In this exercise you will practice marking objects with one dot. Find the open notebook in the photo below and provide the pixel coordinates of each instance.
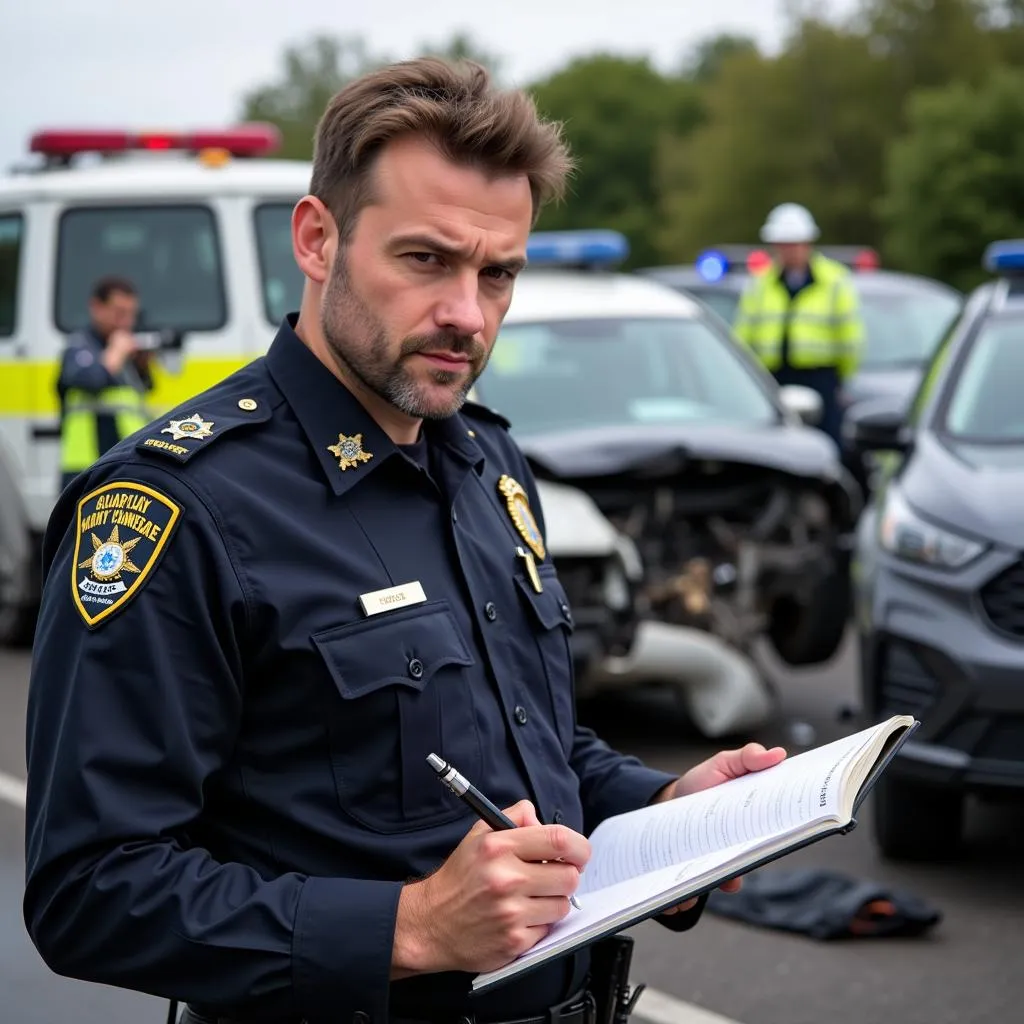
(645, 861)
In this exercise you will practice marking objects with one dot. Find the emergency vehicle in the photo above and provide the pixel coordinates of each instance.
(199, 221)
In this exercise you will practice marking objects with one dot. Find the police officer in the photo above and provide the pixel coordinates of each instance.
(800, 316)
(262, 614)
(103, 379)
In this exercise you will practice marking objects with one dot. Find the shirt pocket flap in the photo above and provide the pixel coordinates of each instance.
(551, 605)
(400, 648)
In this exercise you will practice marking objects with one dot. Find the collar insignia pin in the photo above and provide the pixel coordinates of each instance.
(349, 451)
(195, 428)
(518, 506)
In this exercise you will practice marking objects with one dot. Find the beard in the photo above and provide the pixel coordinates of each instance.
(363, 351)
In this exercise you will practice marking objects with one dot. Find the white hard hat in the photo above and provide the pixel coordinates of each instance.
(789, 222)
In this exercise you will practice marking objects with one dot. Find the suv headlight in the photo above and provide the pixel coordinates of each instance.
(903, 533)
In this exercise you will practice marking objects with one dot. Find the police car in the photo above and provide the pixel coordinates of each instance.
(199, 221)
(625, 391)
(940, 571)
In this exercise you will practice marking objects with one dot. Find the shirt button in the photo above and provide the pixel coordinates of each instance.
(416, 668)
(566, 613)
(455, 516)
(557, 818)
(520, 714)
(490, 611)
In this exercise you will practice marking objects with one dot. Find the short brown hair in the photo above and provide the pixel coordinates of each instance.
(456, 106)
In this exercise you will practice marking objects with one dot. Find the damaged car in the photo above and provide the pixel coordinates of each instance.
(739, 511)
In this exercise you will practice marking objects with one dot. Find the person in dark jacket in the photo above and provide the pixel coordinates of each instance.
(104, 378)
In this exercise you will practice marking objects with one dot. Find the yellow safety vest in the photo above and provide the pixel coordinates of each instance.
(79, 441)
(822, 322)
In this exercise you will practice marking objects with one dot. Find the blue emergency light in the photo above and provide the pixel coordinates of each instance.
(597, 248)
(1005, 257)
(712, 265)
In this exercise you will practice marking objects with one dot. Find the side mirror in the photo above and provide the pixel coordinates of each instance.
(802, 402)
(877, 426)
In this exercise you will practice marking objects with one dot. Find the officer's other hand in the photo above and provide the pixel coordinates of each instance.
(497, 895)
(121, 345)
(725, 765)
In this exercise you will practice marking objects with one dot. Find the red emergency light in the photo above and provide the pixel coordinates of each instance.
(254, 139)
(758, 260)
(866, 259)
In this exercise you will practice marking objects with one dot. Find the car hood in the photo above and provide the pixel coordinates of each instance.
(900, 382)
(665, 448)
(975, 488)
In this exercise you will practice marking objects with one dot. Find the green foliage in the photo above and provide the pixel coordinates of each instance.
(897, 128)
(809, 127)
(956, 179)
(312, 73)
(616, 113)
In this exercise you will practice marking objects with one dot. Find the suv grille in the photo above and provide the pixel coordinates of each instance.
(1003, 600)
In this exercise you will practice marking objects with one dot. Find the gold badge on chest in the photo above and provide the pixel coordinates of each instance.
(518, 505)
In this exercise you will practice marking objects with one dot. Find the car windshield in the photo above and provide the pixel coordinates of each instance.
(723, 301)
(279, 273)
(573, 374)
(902, 328)
(985, 406)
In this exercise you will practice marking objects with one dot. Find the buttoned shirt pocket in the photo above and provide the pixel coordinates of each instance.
(405, 682)
(551, 618)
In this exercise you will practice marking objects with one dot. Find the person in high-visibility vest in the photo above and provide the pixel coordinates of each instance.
(800, 316)
(103, 380)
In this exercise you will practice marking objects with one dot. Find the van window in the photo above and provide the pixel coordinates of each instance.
(280, 277)
(10, 267)
(170, 253)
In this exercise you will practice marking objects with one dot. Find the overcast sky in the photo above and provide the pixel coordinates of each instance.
(188, 63)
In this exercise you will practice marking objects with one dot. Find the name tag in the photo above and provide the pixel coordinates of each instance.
(378, 601)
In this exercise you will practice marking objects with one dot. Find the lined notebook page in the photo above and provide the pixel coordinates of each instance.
(752, 808)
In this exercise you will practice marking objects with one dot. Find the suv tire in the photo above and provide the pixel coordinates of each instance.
(917, 822)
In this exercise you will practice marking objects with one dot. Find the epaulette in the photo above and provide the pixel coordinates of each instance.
(482, 412)
(192, 430)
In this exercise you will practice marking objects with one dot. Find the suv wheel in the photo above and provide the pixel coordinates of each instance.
(917, 822)
(810, 633)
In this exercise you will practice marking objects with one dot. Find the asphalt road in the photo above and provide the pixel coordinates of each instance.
(966, 971)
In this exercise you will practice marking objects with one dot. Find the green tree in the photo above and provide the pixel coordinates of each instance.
(616, 113)
(809, 126)
(462, 46)
(312, 73)
(955, 181)
(705, 60)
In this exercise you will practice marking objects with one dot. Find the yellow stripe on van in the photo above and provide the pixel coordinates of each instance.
(30, 388)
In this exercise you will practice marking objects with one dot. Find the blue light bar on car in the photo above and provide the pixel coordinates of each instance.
(1005, 257)
(576, 248)
(712, 265)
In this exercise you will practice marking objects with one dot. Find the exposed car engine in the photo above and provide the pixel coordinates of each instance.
(739, 549)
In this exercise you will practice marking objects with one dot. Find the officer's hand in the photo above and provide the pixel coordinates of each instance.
(120, 346)
(493, 898)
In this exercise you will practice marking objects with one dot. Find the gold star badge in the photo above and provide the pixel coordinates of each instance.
(349, 451)
(195, 427)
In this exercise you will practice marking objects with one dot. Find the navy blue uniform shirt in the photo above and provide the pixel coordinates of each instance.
(227, 785)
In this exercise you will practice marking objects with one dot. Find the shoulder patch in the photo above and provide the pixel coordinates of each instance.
(483, 412)
(183, 436)
(121, 530)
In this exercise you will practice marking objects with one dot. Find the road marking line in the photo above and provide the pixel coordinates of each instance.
(12, 790)
(658, 1008)
(653, 1006)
